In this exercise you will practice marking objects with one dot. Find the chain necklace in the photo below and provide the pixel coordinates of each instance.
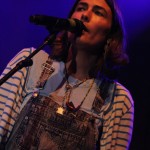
(70, 106)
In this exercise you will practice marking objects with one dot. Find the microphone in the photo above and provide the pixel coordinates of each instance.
(57, 24)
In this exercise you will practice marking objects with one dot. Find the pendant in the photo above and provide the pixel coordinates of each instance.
(70, 106)
(35, 94)
(60, 111)
(68, 87)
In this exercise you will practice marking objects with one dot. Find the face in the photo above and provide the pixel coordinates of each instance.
(97, 17)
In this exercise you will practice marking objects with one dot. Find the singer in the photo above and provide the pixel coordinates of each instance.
(70, 99)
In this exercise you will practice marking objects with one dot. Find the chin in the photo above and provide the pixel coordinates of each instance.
(83, 42)
(83, 39)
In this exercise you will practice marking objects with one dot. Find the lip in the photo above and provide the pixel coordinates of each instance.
(85, 28)
(83, 32)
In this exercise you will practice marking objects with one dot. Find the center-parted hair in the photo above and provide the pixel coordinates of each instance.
(114, 50)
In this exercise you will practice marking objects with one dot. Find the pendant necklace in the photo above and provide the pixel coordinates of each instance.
(69, 105)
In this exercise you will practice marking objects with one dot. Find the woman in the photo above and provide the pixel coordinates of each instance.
(71, 104)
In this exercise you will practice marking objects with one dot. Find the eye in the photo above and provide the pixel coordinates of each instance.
(99, 13)
(80, 9)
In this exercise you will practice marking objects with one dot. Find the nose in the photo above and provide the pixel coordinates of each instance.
(86, 16)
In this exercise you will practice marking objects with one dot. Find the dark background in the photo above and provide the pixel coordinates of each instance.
(16, 33)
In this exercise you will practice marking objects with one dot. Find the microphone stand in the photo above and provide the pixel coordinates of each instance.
(28, 61)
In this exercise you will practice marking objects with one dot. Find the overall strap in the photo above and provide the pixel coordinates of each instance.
(107, 88)
(48, 69)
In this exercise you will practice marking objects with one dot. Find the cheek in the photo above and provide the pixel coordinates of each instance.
(76, 15)
(99, 33)
(100, 25)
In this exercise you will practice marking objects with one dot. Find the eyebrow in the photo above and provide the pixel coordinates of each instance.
(95, 7)
(101, 8)
(82, 4)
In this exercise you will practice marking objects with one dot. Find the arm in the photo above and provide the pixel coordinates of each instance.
(10, 95)
(124, 134)
(118, 123)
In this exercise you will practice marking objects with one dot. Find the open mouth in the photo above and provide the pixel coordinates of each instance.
(85, 29)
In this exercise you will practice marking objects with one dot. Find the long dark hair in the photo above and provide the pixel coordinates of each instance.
(115, 55)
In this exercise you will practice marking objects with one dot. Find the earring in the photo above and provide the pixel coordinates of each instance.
(106, 49)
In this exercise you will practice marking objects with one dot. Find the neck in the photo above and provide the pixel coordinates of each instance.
(84, 63)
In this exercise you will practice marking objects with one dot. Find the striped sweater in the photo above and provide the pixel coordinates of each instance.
(15, 92)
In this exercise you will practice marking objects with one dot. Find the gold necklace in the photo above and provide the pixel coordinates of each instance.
(68, 91)
(70, 106)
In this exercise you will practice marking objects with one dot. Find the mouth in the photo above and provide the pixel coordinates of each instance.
(85, 29)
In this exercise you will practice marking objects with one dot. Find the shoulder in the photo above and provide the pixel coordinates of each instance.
(39, 64)
(25, 53)
(22, 54)
(26, 72)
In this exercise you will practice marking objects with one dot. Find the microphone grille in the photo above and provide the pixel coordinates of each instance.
(77, 25)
